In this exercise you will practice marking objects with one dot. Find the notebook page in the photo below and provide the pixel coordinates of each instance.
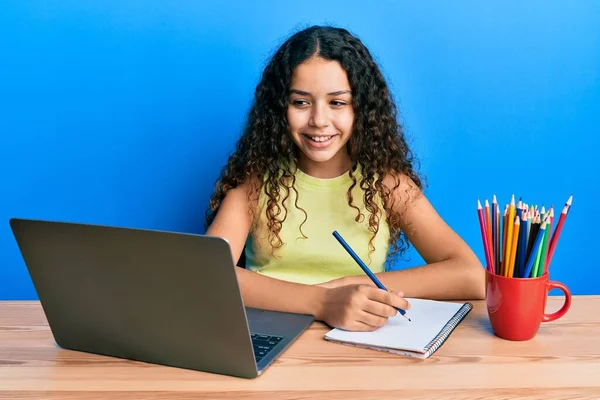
(428, 318)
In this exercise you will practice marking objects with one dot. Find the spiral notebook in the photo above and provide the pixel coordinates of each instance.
(431, 324)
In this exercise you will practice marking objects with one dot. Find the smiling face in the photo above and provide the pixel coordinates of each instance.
(320, 116)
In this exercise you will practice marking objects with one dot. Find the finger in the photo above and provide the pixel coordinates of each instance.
(372, 320)
(380, 309)
(389, 298)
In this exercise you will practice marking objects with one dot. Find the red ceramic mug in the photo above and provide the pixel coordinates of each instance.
(517, 306)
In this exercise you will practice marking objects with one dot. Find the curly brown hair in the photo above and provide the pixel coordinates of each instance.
(266, 157)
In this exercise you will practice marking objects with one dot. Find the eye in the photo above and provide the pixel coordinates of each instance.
(338, 103)
(299, 103)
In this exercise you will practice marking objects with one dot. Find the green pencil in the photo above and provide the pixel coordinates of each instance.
(540, 270)
(536, 263)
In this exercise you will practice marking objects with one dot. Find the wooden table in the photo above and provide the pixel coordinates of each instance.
(562, 361)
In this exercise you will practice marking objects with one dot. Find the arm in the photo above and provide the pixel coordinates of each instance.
(353, 307)
(452, 271)
(233, 222)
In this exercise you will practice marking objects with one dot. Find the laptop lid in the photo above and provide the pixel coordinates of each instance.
(160, 297)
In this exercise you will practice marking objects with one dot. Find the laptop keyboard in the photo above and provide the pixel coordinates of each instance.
(263, 344)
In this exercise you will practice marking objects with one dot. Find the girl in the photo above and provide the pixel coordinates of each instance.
(321, 151)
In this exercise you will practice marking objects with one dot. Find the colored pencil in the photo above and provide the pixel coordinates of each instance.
(484, 237)
(502, 250)
(494, 234)
(536, 262)
(542, 266)
(510, 220)
(497, 239)
(535, 227)
(527, 243)
(513, 252)
(519, 243)
(543, 212)
(522, 245)
(364, 267)
(534, 250)
(518, 248)
(550, 232)
(557, 231)
(488, 230)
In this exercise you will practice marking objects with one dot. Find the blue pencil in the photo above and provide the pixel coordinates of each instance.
(534, 250)
(523, 244)
(364, 267)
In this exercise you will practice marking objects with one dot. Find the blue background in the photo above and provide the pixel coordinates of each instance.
(123, 112)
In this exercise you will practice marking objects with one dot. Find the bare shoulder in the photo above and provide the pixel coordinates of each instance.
(245, 193)
(404, 190)
(421, 223)
(234, 217)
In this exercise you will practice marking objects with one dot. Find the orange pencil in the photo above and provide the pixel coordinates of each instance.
(513, 251)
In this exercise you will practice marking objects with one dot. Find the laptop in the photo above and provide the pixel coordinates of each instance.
(158, 297)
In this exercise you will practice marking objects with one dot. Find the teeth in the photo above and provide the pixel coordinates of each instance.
(320, 138)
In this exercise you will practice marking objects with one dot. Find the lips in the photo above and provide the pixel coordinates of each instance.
(320, 138)
(319, 141)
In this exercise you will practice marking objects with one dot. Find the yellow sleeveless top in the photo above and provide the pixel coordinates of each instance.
(319, 257)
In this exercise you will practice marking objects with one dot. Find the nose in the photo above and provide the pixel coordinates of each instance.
(319, 117)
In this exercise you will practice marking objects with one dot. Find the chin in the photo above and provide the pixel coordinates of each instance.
(320, 158)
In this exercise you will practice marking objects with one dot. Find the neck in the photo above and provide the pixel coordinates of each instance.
(332, 168)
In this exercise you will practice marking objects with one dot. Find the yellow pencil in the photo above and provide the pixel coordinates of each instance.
(515, 241)
(510, 221)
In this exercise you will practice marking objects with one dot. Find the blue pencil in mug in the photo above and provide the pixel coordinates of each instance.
(364, 267)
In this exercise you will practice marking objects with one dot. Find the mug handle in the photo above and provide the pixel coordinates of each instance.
(564, 308)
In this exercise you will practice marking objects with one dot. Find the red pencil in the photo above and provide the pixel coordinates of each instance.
(484, 236)
(497, 241)
(503, 250)
(550, 222)
(556, 234)
(488, 230)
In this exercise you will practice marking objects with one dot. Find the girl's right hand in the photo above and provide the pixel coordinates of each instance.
(359, 307)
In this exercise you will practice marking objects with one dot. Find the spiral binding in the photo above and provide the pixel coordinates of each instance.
(441, 337)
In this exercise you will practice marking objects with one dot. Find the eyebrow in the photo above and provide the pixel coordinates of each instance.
(302, 93)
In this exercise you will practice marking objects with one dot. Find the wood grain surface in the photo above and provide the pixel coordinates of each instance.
(562, 362)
